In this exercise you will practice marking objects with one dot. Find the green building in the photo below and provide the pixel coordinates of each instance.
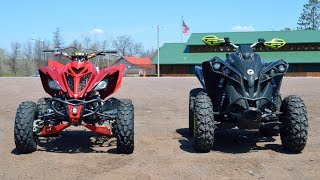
(302, 51)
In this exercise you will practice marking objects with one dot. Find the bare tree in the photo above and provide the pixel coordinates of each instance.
(37, 52)
(75, 43)
(14, 56)
(136, 49)
(28, 65)
(122, 44)
(126, 46)
(95, 46)
(2, 59)
(105, 44)
(57, 38)
(58, 42)
(27, 50)
(149, 53)
(86, 42)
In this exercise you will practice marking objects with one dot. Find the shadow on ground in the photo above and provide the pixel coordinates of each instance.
(76, 142)
(231, 141)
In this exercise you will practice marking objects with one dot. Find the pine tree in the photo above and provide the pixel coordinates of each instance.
(310, 17)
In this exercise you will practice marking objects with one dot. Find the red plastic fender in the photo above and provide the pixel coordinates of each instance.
(114, 75)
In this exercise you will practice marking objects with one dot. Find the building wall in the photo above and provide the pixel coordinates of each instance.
(134, 69)
(294, 69)
(176, 69)
(128, 65)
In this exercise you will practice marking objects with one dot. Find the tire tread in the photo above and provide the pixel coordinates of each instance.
(294, 132)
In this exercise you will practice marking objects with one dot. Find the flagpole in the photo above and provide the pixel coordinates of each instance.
(158, 44)
(181, 27)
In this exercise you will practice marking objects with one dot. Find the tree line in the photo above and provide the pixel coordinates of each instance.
(24, 58)
(309, 19)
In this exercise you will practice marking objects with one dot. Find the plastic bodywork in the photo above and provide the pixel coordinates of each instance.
(76, 100)
(77, 70)
(243, 86)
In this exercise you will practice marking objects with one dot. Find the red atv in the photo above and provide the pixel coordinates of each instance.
(78, 91)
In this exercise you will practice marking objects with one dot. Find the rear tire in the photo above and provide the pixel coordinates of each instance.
(192, 97)
(294, 119)
(204, 122)
(124, 127)
(25, 140)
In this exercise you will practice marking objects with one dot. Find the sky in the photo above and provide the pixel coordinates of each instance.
(23, 20)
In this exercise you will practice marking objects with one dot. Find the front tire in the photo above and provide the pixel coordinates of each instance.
(204, 122)
(124, 127)
(192, 97)
(42, 106)
(26, 140)
(294, 119)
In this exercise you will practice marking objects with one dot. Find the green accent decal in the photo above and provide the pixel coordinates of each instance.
(212, 40)
(275, 43)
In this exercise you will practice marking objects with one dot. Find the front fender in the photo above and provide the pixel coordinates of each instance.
(46, 74)
(55, 64)
(114, 75)
(275, 79)
(275, 64)
(199, 74)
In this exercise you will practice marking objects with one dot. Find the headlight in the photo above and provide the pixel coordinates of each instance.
(101, 85)
(226, 70)
(216, 66)
(282, 68)
(53, 85)
(273, 72)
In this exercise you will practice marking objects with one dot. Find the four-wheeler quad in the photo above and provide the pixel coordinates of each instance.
(78, 91)
(243, 91)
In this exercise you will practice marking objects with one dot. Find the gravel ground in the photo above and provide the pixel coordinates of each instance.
(163, 148)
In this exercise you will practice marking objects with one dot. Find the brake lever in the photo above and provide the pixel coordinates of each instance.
(56, 53)
(64, 54)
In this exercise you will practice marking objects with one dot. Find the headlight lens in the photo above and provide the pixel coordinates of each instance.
(53, 85)
(101, 85)
(83, 82)
(282, 68)
(273, 72)
(216, 66)
(226, 70)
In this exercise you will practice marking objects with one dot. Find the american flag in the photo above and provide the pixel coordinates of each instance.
(185, 28)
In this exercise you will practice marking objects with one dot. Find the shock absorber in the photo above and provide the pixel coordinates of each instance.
(221, 83)
(222, 99)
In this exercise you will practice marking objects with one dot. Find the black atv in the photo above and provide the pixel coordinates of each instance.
(243, 91)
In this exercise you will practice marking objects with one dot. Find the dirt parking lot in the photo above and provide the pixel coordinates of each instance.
(163, 148)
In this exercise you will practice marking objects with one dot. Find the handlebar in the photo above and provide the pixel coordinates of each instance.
(109, 52)
(90, 56)
(260, 42)
(48, 51)
(101, 53)
(227, 41)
